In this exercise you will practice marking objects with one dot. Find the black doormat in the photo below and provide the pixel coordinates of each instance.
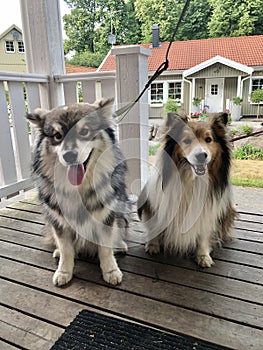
(90, 330)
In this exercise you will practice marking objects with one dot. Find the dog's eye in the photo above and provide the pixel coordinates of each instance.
(57, 136)
(208, 139)
(84, 132)
(187, 141)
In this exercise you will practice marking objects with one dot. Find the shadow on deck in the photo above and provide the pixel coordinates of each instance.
(222, 305)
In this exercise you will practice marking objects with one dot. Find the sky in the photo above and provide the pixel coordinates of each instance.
(10, 13)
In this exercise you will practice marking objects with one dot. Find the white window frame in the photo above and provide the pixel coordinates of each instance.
(19, 51)
(174, 82)
(11, 41)
(155, 103)
(250, 88)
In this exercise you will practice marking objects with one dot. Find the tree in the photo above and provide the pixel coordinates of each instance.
(87, 58)
(257, 97)
(235, 18)
(90, 23)
(195, 23)
(162, 12)
(80, 25)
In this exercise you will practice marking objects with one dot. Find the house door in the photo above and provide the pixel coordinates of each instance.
(214, 94)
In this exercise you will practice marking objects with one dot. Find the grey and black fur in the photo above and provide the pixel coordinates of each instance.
(186, 204)
(89, 213)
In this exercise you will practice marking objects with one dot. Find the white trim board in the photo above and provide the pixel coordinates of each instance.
(218, 59)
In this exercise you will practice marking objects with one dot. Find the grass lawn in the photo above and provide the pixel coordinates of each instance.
(247, 173)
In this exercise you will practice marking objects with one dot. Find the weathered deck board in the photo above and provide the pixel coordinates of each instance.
(223, 304)
(26, 331)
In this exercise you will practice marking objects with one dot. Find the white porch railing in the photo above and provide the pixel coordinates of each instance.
(87, 87)
(22, 93)
(19, 93)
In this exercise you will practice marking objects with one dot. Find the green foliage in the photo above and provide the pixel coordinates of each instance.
(235, 18)
(248, 152)
(88, 59)
(246, 129)
(247, 182)
(196, 101)
(233, 131)
(162, 12)
(171, 105)
(237, 100)
(257, 96)
(90, 23)
(153, 149)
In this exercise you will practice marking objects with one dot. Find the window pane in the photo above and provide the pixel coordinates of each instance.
(9, 46)
(21, 46)
(214, 89)
(157, 92)
(175, 90)
(257, 84)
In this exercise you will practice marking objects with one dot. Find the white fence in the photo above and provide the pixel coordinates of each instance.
(22, 93)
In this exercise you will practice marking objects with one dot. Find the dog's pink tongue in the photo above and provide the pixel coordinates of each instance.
(76, 174)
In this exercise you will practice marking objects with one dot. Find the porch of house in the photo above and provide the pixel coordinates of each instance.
(221, 305)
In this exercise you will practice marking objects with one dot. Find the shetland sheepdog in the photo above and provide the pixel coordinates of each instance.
(186, 204)
(80, 175)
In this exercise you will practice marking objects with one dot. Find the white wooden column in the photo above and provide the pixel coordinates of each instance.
(42, 33)
(131, 77)
(239, 94)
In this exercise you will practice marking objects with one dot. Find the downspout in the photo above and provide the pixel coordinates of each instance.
(190, 94)
(241, 86)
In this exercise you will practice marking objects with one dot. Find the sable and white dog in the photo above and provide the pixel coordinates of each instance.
(186, 204)
(80, 175)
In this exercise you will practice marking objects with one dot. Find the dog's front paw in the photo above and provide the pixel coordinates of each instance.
(152, 248)
(113, 277)
(204, 260)
(61, 277)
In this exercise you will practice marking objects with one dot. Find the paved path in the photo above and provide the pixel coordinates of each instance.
(248, 198)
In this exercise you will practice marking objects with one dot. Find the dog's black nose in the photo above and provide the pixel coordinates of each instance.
(201, 157)
(70, 156)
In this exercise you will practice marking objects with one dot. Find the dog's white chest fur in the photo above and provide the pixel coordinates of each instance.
(185, 210)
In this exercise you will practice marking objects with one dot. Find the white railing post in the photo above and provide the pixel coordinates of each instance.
(42, 32)
(131, 77)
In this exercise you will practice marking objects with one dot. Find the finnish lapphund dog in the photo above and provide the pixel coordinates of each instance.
(80, 176)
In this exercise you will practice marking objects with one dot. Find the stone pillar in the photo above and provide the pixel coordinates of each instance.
(131, 77)
(42, 33)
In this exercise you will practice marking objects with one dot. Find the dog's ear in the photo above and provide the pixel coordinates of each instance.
(224, 117)
(104, 108)
(174, 118)
(37, 117)
(218, 123)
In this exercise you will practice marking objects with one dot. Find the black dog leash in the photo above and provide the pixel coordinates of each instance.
(121, 113)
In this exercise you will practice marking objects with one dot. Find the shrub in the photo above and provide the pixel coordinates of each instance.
(248, 152)
(233, 131)
(246, 129)
(153, 149)
(237, 100)
(171, 105)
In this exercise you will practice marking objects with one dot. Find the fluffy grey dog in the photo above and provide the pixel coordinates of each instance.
(80, 175)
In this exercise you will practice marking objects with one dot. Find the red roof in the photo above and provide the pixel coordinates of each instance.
(78, 69)
(247, 50)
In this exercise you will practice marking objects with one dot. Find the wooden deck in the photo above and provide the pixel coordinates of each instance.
(222, 305)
